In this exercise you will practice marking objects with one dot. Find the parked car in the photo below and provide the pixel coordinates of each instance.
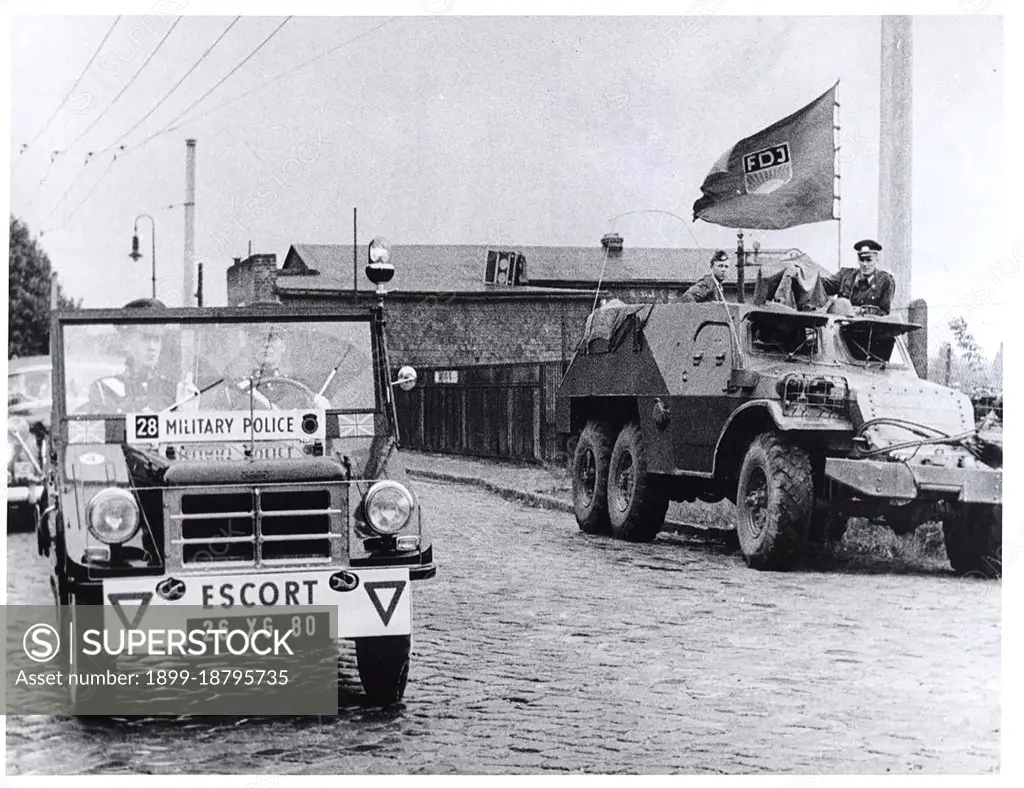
(29, 403)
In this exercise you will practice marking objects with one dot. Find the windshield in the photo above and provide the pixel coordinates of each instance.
(784, 337)
(873, 344)
(228, 366)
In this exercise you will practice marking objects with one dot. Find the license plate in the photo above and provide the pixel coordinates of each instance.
(304, 627)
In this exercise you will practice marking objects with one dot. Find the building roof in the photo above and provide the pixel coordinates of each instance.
(458, 268)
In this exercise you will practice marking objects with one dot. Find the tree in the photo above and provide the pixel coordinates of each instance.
(937, 364)
(973, 365)
(29, 269)
(997, 369)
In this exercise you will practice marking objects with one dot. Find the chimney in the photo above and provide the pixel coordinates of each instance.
(612, 242)
(252, 280)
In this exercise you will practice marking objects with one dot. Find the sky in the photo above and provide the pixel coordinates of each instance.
(486, 130)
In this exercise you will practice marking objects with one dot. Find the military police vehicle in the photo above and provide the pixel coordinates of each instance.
(802, 419)
(241, 460)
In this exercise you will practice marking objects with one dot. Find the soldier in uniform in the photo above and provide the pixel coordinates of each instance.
(709, 286)
(143, 385)
(267, 349)
(868, 289)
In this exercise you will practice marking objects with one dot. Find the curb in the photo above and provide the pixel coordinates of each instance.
(551, 502)
(509, 493)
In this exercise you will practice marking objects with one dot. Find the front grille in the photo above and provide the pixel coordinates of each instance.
(257, 526)
(819, 396)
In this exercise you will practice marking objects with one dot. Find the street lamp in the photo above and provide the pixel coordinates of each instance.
(134, 254)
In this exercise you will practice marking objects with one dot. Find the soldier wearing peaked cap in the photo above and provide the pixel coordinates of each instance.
(867, 288)
(709, 286)
(143, 385)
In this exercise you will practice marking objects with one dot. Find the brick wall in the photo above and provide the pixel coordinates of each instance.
(252, 280)
(472, 328)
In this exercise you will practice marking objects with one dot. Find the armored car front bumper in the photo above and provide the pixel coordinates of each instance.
(908, 482)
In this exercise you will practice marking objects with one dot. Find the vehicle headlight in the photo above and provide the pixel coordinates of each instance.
(113, 515)
(388, 506)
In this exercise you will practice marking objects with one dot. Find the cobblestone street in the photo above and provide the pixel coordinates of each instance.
(537, 649)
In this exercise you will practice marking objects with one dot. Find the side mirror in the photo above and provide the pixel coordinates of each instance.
(407, 378)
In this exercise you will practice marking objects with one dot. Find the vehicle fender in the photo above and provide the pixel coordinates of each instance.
(88, 469)
(759, 415)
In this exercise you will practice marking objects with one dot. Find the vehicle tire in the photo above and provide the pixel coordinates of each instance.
(774, 501)
(83, 701)
(636, 502)
(21, 517)
(974, 539)
(590, 477)
(827, 527)
(383, 664)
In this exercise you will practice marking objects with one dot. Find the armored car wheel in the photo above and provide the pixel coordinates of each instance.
(590, 477)
(774, 500)
(383, 664)
(636, 504)
(22, 517)
(974, 539)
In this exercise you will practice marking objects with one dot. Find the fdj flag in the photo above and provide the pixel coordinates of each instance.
(779, 177)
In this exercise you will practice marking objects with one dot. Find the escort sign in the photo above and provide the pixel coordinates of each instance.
(213, 426)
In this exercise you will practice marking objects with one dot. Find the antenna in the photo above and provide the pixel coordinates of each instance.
(728, 315)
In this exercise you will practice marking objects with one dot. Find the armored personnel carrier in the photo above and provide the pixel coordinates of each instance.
(801, 419)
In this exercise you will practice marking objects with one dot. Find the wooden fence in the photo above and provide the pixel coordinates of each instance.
(505, 411)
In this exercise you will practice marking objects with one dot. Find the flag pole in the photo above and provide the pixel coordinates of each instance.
(741, 261)
(838, 182)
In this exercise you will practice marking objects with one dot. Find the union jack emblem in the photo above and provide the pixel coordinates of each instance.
(355, 425)
(86, 432)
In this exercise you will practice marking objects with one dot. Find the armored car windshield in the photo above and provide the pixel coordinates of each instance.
(217, 367)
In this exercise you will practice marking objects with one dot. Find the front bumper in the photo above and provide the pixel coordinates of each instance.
(369, 602)
(898, 480)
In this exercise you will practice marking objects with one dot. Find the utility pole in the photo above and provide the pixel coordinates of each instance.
(188, 279)
(741, 263)
(895, 164)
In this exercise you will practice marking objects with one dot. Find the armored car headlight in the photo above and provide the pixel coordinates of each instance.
(113, 515)
(388, 506)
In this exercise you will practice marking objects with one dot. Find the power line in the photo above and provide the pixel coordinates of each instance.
(285, 74)
(134, 148)
(176, 85)
(83, 201)
(103, 114)
(125, 88)
(41, 182)
(73, 85)
(71, 186)
(220, 82)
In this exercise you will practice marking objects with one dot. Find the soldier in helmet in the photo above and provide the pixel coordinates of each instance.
(144, 384)
(868, 289)
(709, 286)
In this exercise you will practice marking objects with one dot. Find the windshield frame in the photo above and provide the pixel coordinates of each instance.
(183, 317)
(899, 348)
(813, 357)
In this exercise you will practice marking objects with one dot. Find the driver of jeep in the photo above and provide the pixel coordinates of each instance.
(143, 385)
(272, 386)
